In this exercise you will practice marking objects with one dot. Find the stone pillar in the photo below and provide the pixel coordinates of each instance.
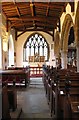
(77, 58)
(64, 59)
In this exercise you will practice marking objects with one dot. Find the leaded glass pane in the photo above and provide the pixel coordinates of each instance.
(36, 49)
(27, 44)
(41, 52)
(35, 44)
(36, 35)
(38, 40)
(27, 51)
(45, 52)
(43, 40)
(32, 51)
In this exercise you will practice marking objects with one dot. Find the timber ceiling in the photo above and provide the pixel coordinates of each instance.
(33, 15)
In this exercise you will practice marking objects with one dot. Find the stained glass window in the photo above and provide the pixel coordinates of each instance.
(36, 43)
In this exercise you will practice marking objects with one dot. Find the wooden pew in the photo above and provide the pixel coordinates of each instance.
(9, 100)
(72, 68)
(48, 80)
(47, 74)
(55, 91)
(5, 104)
(12, 97)
(57, 99)
(45, 78)
(16, 76)
(72, 98)
(60, 98)
(75, 110)
(26, 69)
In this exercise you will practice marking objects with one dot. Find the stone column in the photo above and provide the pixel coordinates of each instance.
(77, 58)
(64, 59)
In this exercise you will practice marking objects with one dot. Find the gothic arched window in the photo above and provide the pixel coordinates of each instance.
(36, 43)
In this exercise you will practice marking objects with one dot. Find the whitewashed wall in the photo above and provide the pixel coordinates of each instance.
(20, 43)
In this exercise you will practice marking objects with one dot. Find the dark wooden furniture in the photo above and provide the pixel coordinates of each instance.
(15, 76)
(5, 104)
(62, 92)
(12, 97)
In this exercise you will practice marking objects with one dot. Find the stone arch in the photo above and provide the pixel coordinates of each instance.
(11, 50)
(68, 22)
(57, 44)
(32, 38)
(34, 34)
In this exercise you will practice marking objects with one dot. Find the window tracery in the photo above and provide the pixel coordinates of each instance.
(36, 44)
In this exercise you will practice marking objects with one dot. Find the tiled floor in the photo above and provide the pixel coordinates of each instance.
(33, 100)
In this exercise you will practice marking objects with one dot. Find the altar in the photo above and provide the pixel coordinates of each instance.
(36, 63)
(36, 60)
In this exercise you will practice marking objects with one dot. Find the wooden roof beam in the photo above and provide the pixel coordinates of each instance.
(47, 12)
(31, 22)
(53, 5)
(32, 28)
(18, 12)
(44, 24)
(36, 29)
(33, 18)
(32, 7)
(17, 9)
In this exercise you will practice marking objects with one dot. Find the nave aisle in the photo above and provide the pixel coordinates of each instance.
(33, 100)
